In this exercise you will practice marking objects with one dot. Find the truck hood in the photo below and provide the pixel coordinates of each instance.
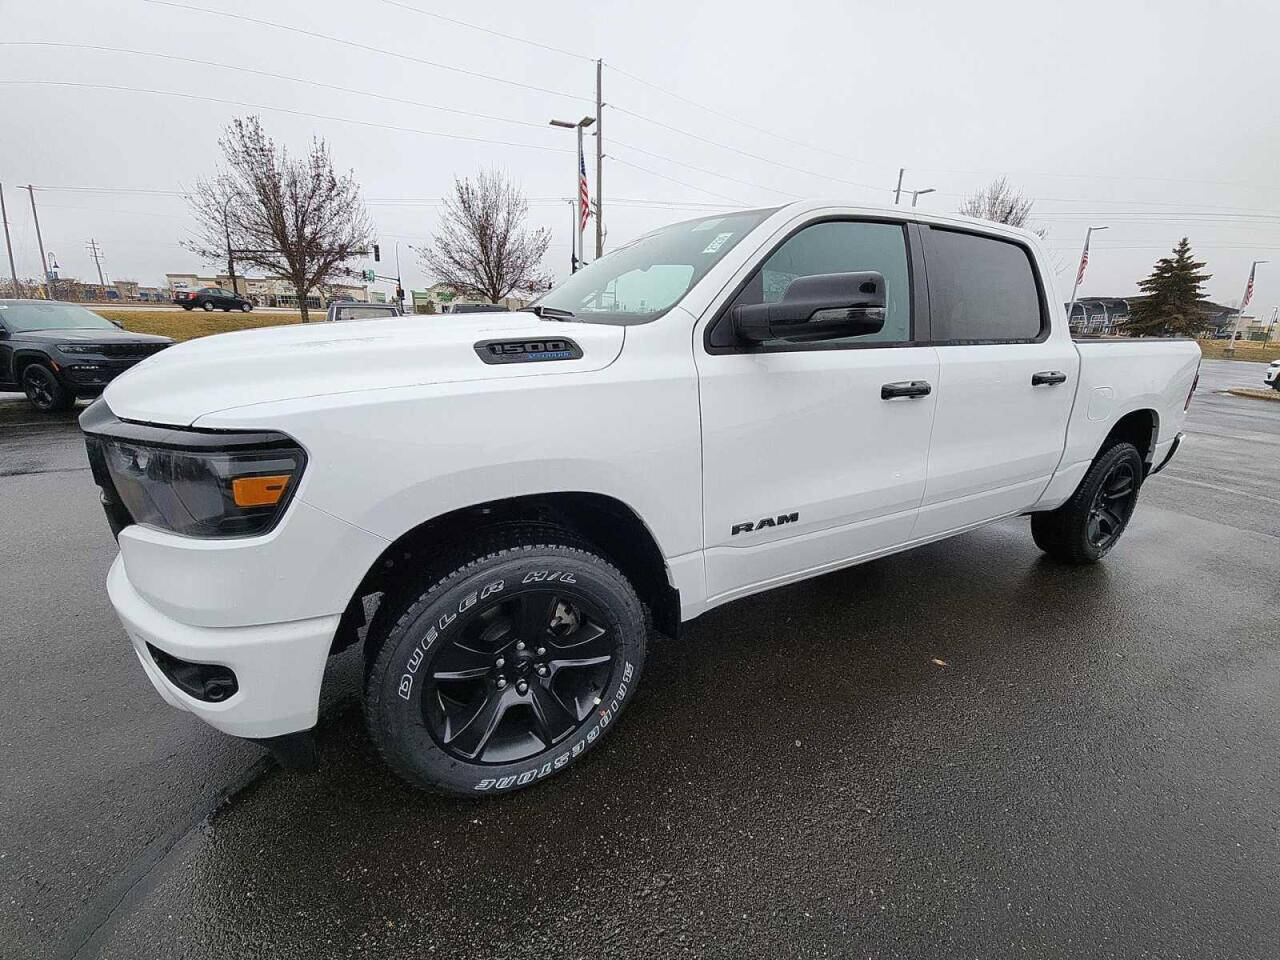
(190, 380)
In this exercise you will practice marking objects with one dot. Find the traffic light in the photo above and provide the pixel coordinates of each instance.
(377, 254)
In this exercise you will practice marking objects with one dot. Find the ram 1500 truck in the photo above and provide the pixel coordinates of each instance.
(504, 508)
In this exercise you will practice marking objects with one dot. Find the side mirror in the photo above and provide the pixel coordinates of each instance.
(825, 306)
(117, 323)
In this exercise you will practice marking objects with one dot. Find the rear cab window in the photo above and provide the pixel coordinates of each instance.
(982, 289)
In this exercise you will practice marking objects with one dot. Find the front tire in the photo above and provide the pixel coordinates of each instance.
(44, 391)
(207, 306)
(507, 670)
(246, 307)
(1085, 528)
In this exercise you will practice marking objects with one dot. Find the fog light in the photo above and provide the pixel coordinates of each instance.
(209, 682)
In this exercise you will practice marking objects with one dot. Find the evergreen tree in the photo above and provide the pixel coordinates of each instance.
(1173, 304)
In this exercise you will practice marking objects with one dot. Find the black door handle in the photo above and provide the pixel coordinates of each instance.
(905, 388)
(1048, 378)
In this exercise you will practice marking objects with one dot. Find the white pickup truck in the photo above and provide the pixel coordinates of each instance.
(503, 508)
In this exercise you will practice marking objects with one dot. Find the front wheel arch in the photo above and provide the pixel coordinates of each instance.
(608, 524)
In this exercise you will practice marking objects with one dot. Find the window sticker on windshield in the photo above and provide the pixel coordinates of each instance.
(709, 225)
(717, 243)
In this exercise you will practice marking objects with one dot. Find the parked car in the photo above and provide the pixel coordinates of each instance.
(476, 308)
(357, 310)
(55, 352)
(212, 298)
(502, 508)
(1272, 376)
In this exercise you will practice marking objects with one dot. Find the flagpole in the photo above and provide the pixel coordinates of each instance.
(1244, 302)
(1084, 251)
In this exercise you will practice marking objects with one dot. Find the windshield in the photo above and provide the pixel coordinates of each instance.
(644, 279)
(22, 317)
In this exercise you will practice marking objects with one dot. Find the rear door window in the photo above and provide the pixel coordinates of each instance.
(981, 289)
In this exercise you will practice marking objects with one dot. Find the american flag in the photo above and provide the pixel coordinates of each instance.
(1248, 289)
(1084, 261)
(584, 196)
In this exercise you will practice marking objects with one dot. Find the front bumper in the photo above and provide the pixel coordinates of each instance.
(278, 666)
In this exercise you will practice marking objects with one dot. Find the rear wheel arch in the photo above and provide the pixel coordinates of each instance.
(603, 522)
(1138, 427)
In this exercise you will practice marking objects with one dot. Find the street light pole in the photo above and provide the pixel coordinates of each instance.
(579, 172)
(916, 194)
(231, 260)
(897, 194)
(1084, 261)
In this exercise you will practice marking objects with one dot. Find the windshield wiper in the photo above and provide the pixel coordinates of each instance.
(547, 313)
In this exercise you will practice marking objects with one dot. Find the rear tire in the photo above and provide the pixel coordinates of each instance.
(508, 669)
(1085, 528)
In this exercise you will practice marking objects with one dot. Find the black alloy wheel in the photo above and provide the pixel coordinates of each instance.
(1112, 505)
(507, 670)
(520, 675)
(44, 391)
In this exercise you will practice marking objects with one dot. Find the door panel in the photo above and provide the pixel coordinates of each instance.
(1000, 428)
(997, 438)
(805, 436)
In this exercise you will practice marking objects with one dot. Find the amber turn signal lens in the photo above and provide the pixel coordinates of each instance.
(258, 491)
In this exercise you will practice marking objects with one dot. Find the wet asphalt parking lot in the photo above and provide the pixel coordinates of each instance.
(961, 751)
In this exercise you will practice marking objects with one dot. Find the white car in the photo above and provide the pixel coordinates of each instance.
(1272, 376)
(503, 508)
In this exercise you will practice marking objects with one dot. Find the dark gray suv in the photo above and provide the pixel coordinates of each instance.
(55, 352)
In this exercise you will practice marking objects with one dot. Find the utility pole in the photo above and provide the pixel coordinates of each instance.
(8, 244)
(44, 261)
(897, 194)
(96, 253)
(599, 163)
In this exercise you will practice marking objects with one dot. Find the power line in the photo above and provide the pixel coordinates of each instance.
(364, 46)
(662, 176)
(731, 118)
(712, 173)
(288, 110)
(496, 33)
(273, 76)
(745, 153)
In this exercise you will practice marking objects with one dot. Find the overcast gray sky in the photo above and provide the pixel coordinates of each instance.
(1157, 118)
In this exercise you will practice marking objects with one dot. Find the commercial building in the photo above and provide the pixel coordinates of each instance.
(442, 298)
(266, 291)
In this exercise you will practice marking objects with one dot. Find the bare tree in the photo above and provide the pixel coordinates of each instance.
(482, 247)
(291, 217)
(1000, 202)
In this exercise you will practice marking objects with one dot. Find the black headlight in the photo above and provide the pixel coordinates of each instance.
(198, 483)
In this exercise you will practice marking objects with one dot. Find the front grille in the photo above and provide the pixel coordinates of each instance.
(132, 350)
